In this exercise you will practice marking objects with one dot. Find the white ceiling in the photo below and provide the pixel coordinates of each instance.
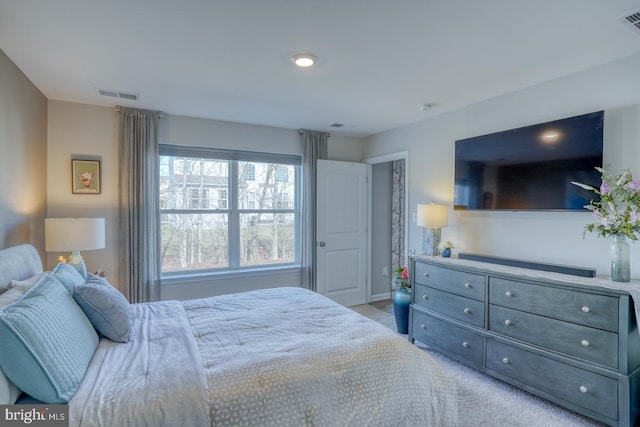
(378, 59)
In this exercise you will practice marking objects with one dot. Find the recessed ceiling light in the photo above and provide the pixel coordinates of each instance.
(425, 107)
(304, 59)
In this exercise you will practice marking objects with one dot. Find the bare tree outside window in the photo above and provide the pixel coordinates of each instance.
(199, 209)
(192, 239)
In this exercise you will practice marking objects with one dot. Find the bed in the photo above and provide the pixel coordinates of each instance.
(273, 357)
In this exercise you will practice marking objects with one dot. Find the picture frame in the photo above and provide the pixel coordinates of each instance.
(86, 177)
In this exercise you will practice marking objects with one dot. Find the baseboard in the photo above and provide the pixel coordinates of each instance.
(554, 268)
(380, 297)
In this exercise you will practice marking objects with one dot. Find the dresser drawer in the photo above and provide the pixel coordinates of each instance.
(460, 308)
(586, 389)
(457, 282)
(598, 311)
(590, 344)
(450, 339)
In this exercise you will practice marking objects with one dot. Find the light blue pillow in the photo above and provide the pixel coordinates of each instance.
(107, 309)
(47, 342)
(68, 276)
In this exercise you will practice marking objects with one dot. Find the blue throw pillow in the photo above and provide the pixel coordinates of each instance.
(107, 309)
(47, 342)
(68, 276)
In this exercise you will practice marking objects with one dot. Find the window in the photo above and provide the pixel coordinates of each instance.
(223, 199)
(198, 198)
(282, 173)
(249, 172)
(228, 210)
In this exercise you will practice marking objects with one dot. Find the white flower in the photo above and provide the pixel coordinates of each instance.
(447, 244)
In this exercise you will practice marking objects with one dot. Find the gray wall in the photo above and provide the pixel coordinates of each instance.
(79, 129)
(555, 237)
(23, 158)
(381, 183)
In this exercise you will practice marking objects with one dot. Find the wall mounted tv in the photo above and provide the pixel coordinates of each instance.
(531, 168)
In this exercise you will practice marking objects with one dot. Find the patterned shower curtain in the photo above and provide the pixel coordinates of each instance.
(397, 215)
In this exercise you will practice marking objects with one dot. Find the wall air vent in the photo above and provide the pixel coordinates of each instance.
(632, 22)
(118, 94)
(336, 125)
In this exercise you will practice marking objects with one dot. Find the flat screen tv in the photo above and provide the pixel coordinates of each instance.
(531, 168)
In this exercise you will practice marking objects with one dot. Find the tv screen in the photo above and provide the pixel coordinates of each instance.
(531, 168)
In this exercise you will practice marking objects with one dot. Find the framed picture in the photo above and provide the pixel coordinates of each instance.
(85, 177)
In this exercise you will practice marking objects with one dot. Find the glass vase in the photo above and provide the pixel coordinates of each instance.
(620, 259)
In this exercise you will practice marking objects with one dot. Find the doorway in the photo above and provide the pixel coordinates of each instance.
(388, 216)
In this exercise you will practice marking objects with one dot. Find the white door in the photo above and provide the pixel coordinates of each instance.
(341, 231)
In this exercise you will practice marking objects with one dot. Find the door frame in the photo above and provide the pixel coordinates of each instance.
(402, 155)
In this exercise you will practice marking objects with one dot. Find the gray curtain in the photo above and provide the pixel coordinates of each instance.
(315, 147)
(139, 161)
(397, 215)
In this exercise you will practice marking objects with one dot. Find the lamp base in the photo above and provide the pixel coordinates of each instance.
(431, 241)
(76, 261)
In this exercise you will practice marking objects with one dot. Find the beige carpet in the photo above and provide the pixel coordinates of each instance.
(483, 400)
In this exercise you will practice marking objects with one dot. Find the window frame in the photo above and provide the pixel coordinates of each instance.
(234, 212)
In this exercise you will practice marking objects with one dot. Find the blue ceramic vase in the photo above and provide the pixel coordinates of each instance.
(401, 301)
(446, 252)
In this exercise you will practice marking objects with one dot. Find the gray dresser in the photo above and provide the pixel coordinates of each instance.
(571, 340)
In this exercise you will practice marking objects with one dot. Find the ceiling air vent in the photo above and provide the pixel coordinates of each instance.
(632, 22)
(336, 125)
(104, 92)
(118, 94)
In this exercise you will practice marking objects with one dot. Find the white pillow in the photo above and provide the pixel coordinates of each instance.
(26, 283)
(9, 393)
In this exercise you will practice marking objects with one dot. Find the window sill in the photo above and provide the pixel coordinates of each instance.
(206, 276)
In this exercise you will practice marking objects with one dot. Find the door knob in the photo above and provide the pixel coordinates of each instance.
(322, 244)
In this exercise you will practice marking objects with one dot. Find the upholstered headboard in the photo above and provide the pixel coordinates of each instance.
(18, 263)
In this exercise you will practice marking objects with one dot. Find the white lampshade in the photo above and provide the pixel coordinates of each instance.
(74, 234)
(432, 215)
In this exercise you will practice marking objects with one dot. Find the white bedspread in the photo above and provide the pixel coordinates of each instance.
(276, 357)
(154, 380)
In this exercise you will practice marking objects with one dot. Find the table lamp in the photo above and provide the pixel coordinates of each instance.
(75, 235)
(432, 217)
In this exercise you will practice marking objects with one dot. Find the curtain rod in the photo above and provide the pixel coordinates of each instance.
(301, 132)
(160, 114)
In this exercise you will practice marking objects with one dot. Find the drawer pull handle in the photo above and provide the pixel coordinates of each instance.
(583, 389)
(426, 274)
(506, 361)
(508, 322)
(586, 309)
(585, 343)
(425, 297)
(466, 311)
(465, 344)
(467, 285)
(423, 326)
(508, 293)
